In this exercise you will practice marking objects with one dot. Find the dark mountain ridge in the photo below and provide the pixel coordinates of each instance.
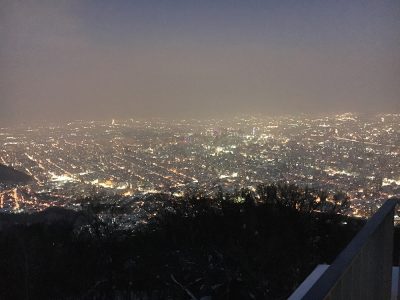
(256, 248)
(9, 175)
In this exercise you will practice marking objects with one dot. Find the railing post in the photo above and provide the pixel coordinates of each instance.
(363, 270)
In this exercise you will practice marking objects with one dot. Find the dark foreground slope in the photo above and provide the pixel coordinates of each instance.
(198, 247)
(11, 176)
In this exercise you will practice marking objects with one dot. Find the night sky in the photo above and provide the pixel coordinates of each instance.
(64, 60)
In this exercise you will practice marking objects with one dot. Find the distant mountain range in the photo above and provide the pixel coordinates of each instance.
(12, 176)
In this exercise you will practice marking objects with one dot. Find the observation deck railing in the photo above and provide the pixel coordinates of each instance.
(363, 270)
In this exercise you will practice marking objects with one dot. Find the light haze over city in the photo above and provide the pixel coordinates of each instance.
(67, 60)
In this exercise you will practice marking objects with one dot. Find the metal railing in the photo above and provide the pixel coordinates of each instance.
(363, 270)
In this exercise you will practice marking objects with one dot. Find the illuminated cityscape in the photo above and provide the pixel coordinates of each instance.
(199, 149)
(132, 159)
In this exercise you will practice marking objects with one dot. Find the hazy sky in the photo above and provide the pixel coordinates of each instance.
(102, 59)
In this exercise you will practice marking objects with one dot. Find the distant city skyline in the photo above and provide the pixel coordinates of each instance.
(137, 158)
(67, 60)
